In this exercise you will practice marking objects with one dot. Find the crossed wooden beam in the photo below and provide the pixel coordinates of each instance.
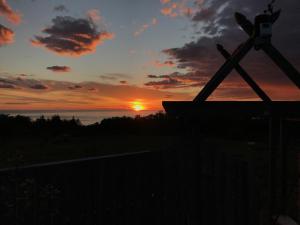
(232, 62)
(245, 76)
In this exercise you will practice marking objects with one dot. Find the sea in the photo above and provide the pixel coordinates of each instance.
(86, 117)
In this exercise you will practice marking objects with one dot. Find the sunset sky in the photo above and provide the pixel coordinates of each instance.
(108, 54)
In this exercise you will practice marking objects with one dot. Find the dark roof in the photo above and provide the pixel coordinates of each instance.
(209, 109)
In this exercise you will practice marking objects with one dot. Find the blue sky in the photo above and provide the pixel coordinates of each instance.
(96, 54)
(124, 54)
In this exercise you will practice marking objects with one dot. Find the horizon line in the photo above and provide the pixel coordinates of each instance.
(73, 110)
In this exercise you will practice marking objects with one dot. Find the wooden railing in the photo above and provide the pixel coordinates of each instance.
(207, 184)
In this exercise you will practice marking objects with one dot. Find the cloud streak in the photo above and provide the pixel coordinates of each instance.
(75, 87)
(21, 83)
(39, 87)
(114, 76)
(176, 80)
(59, 69)
(145, 27)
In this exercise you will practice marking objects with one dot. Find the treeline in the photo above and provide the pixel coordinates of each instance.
(22, 125)
(155, 124)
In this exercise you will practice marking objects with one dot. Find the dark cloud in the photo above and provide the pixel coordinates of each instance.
(176, 80)
(39, 87)
(165, 84)
(8, 86)
(22, 83)
(60, 8)
(75, 87)
(71, 36)
(195, 54)
(153, 76)
(6, 81)
(9, 13)
(6, 35)
(204, 15)
(208, 15)
(59, 69)
(214, 22)
(123, 82)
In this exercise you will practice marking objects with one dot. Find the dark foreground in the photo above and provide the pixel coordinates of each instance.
(154, 170)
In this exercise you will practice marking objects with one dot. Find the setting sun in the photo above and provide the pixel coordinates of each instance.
(137, 106)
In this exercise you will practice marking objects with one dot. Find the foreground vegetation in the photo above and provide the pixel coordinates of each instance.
(24, 141)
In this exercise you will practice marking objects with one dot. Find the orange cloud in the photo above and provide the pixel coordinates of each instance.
(167, 11)
(6, 35)
(145, 27)
(165, 1)
(174, 9)
(69, 36)
(6, 11)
